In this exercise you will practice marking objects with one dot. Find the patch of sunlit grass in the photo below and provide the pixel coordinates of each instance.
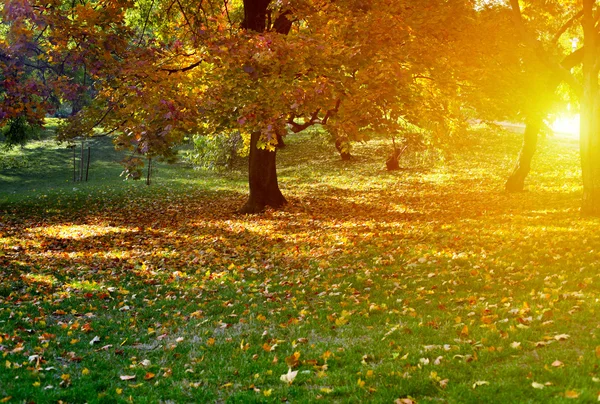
(76, 232)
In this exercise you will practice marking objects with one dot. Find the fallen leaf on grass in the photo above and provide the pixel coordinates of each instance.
(536, 385)
(95, 340)
(149, 376)
(557, 364)
(571, 394)
(289, 376)
(127, 377)
(562, 337)
(406, 400)
(293, 360)
(480, 383)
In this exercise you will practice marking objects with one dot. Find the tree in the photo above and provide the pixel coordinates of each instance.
(165, 69)
(548, 19)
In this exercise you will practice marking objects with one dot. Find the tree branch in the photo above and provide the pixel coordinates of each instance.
(183, 69)
(314, 119)
(566, 26)
(541, 53)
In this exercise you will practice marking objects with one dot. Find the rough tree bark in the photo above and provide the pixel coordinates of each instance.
(262, 170)
(264, 189)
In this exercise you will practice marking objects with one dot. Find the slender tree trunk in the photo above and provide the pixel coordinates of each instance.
(264, 189)
(516, 181)
(262, 172)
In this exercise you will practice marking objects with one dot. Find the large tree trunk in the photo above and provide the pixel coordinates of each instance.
(589, 139)
(516, 181)
(262, 172)
(589, 143)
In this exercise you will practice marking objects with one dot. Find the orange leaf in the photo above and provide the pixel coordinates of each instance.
(571, 394)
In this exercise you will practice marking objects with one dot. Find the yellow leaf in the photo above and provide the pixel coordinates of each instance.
(149, 375)
(36, 384)
(5, 399)
(464, 332)
(293, 360)
(261, 317)
(326, 390)
(598, 351)
(369, 373)
(360, 382)
(85, 371)
(119, 391)
(480, 383)
(571, 394)
(65, 377)
(210, 342)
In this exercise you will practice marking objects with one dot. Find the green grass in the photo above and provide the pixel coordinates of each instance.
(418, 283)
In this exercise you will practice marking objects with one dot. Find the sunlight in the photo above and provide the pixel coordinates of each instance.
(566, 125)
(77, 232)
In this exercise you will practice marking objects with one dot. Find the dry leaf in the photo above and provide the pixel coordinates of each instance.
(536, 385)
(571, 394)
(406, 400)
(557, 364)
(127, 377)
(289, 376)
(480, 383)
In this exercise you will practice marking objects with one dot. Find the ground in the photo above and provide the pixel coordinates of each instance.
(424, 285)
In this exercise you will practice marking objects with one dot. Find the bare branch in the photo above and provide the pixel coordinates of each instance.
(183, 69)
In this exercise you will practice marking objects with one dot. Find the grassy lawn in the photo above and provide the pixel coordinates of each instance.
(426, 285)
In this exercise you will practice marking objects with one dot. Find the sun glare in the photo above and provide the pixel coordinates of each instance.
(566, 125)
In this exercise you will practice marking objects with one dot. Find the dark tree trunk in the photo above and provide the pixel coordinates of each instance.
(516, 181)
(393, 162)
(264, 190)
(280, 142)
(343, 149)
(262, 172)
